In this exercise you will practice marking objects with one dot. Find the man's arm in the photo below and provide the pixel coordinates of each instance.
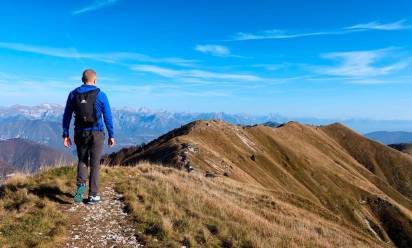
(108, 120)
(67, 117)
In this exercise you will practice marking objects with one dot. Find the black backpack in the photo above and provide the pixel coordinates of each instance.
(85, 108)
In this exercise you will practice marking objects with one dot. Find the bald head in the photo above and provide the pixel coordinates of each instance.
(89, 76)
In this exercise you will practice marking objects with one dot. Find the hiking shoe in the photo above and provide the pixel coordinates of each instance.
(93, 199)
(78, 197)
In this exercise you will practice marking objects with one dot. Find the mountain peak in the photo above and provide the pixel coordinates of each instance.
(328, 166)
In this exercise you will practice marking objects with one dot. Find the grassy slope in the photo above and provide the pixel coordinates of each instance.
(331, 167)
(171, 208)
(403, 147)
(305, 187)
(29, 215)
(391, 166)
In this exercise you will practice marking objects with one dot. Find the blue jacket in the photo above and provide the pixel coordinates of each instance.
(102, 109)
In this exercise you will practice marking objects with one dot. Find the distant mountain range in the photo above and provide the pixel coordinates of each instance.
(29, 156)
(386, 137)
(331, 170)
(43, 123)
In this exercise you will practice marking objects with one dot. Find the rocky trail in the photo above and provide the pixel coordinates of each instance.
(102, 225)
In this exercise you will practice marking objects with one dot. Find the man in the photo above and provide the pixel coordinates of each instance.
(89, 104)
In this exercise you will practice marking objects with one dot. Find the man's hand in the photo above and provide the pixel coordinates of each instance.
(111, 142)
(67, 142)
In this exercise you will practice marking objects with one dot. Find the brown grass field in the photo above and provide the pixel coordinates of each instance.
(171, 208)
(291, 186)
(365, 184)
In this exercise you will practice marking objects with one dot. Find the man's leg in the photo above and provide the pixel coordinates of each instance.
(96, 150)
(82, 147)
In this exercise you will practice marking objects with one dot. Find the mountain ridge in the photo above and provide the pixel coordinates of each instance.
(136, 126)
(29, 156)
(364, 182)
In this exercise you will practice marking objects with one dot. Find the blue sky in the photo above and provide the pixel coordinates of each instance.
(325, 59)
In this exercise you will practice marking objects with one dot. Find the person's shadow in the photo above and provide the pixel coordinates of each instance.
(53, 193)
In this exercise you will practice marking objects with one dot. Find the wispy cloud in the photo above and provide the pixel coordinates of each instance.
(44, 87)
(97, 4)
(17, 85)
(198, 74)
(282, 34)
(398, 25)
(215, 50)
(195, 93)
(113, 57)
(50, 51)
(271, 67)
(164, 72)
(130, 56)
(360, 64)
(279, 34)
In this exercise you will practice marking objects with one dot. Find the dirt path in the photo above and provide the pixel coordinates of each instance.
(101, 225)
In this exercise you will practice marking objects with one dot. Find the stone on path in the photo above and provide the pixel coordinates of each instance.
(102, 225)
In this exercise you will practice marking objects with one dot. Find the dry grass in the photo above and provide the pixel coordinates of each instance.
(332, 167)
(29, 211)
(172, 208)
(293, 186)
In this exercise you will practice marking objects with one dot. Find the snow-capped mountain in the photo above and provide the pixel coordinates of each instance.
(40, 112)
(42, 123)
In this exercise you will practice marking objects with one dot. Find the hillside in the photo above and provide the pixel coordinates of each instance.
(166, 207)
(46, 132)
(403, 147)
(5, 169)
(390, 137)
(29, 156)
(366, 185)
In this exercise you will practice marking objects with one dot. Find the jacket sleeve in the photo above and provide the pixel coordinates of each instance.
(67, 116)
(107, 115)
